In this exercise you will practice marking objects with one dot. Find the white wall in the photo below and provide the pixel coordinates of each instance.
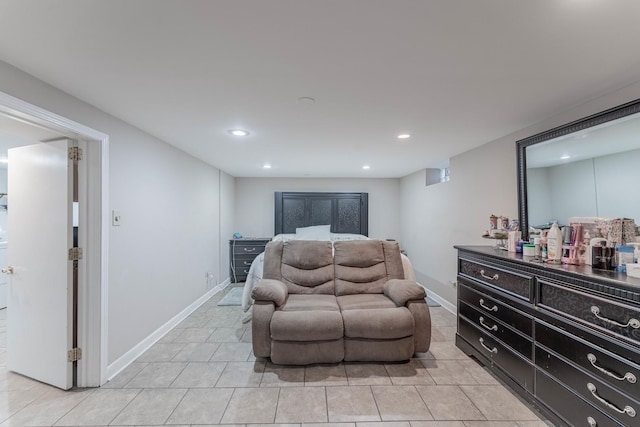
(227, 219)
(483, 181)
(172, 217)
(3, 201)
(255, 202)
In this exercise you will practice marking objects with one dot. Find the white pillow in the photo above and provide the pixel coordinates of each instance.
(316, 232)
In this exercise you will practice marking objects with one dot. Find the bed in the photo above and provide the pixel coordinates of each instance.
(315, 216)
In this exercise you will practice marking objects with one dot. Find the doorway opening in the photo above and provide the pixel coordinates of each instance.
(22, 124)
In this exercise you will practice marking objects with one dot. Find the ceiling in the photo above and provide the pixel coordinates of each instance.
(455, 74)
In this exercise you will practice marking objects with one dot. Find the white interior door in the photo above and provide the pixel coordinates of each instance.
(39, 312)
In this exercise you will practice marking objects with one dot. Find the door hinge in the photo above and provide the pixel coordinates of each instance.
(75, 153)
(74, 354)
(75, 254)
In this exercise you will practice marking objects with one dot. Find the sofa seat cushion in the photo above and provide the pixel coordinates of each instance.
(378, 323)
(305, 302)
(364, 301)
(313, 325)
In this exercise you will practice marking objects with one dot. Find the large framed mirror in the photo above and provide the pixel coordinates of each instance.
(587, 168)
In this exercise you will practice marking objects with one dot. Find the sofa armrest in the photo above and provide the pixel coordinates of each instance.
(401, 291)
(270, 290)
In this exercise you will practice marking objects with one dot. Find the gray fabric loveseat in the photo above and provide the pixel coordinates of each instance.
(313, 306)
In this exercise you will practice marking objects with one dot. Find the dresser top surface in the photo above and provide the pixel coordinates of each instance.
(579, 271)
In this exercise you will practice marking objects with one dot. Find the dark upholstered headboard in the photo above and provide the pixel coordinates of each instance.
(346, 212)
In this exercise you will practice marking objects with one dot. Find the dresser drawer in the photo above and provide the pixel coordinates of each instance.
(603, 364)
(567, 405)
(488, 303)
(620, 319)
(518, 284)
(510, 363)
(498, 330)
(610, 401)
(243, 261)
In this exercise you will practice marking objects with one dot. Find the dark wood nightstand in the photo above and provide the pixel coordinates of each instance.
(242, 253)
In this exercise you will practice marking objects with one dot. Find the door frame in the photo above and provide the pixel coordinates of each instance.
(93, 303)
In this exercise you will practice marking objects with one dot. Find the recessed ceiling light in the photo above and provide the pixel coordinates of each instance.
(238, 132)
(365, 167)
(565, 157)
(306, 100)
(266, 166)
(404, 136)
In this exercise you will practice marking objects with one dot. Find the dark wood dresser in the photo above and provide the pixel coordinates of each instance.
(242, 253)
(566, 338)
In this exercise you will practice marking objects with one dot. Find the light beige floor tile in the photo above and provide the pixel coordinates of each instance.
(170, 336)
(448, 402)
(48, 408)
(101, 407)
(410, 373)
(448, 372)
(328, 424)
(421, 356)
(437, 424)
(479, 372)
(443, 333)
(241, 374)
(199, 375)
(10, 381)
(367, 374)
(535, 424)
(223, 320)
(325, 375)
(126, 375)
(12, 401)
(252, 405)
(490, 424)
(160, 352)
(282, 376)
(150, 407)
(193, 335)
(226, 335)
(195, 321)
(446, 350)
(302, 405)
(396, 403)
(201, 406)
(351, 404)
(196, 352)
(275, 425)
(232, 352)
(157, 374)
(384, 424)
(496, 403)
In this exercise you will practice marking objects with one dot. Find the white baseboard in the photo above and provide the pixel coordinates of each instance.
(443, 302)
(130, 356)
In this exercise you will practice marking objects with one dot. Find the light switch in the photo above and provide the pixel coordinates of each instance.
(116, 218)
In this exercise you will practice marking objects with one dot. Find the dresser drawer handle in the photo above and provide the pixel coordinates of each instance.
(494, 308)
(494, 277)
(628, 376)
(491, 328)
(246, 262)
(490, 350)
(634, 323)
(249, 249)
(627, 409)
(592, 422)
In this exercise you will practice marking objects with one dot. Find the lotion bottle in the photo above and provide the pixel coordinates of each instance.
(554, 243)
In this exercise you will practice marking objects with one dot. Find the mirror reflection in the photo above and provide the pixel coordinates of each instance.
(591, 173)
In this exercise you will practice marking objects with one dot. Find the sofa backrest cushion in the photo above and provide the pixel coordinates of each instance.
(364, 266)
(304, 266)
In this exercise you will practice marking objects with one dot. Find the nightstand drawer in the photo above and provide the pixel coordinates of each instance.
(518, 284)
(607, 315)
(487, 302)
(242, 252)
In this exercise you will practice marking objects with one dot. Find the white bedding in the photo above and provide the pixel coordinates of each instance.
(257, 266)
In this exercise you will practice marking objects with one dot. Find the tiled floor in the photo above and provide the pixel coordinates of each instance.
(203, 372)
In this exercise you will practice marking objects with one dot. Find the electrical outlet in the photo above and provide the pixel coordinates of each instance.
(116, 218)
(211, 280)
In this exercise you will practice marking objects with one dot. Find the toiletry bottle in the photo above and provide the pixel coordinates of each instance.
(554, 243)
